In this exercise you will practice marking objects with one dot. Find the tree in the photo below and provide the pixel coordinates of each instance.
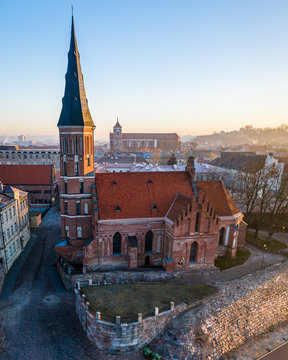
(172, 160)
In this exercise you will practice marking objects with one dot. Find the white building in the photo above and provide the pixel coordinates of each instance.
(14, 224)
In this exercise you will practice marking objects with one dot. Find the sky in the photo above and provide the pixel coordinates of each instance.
(186, 66)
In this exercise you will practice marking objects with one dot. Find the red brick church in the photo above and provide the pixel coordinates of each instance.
(131, 220)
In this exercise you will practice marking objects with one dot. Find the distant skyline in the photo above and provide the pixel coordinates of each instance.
(191, 67)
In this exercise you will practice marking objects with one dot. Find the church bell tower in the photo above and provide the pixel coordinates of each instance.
(76, 132)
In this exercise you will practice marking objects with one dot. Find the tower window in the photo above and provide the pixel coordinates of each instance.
(81, 187)
(117, 208)
(65, 188)
(66, 207)
(76, 145)
(76, 168)
(78, 210)
(88, 160)
(154, 207)
(149, 182)
(65, 168)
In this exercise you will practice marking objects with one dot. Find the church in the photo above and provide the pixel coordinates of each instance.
(135, 220)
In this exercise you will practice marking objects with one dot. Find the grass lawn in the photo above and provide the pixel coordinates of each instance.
(271, 245)
(226, 262)
(131, 299)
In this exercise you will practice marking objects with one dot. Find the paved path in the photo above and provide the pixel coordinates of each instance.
(37, 313)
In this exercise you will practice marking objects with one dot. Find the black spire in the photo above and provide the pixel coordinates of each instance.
(75, 111)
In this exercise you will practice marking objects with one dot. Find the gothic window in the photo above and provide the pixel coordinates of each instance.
(80, 146)
(221, 236)
(88, 144)
(148, 241)
(66, 207)
(76, 168)
(76, 145)
(67, 231)
(65, 168)
(197, 222)
(79, 232)
(72, 146)
(193, 252)
(81, 187)
(86, 208)
(88, 160)
(117, 244)
(78, 210)
(65, 187)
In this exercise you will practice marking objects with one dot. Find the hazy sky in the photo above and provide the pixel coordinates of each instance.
(185, 66)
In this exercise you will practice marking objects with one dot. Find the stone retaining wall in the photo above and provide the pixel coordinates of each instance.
(242, 309)
(70, 280)
(124, 337)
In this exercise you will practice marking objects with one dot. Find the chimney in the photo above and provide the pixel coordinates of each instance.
(190, 167)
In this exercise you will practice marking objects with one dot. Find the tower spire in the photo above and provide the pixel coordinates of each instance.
(75, 111)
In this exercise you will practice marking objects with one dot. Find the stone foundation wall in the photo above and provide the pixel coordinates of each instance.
(114, 277)
(242, 309)
(123, 337)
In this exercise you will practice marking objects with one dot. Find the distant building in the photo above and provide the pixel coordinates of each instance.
(14, 224)
(15, 156)
(38, 180)
(130, 142)
(21, 139)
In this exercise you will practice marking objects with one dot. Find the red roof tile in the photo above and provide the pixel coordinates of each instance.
(26, 174)
(135, 196)
(219, 197)
(179, 203)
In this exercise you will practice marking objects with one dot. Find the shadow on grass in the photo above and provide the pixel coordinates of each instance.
(226, 262)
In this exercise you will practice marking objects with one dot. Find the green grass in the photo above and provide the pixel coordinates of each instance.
(226, 262)
(131, 299)
(270, 245)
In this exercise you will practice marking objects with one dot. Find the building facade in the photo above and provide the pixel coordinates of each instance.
(120, 141)
(141, 219)
(38, 180)
(30, 157)
(14, 224)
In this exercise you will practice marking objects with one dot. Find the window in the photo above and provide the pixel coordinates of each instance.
(10, 250)
(193, 252)
(67, 231)
(10, 213)
(81, 187)
(4, 236)
(15, 226)
(76, 145)
(14, 211)
(76, 168)
(86, 208)
(117, 208)
(79, 232)
(154, 207)
(117, 244)
(197, 222)
(18, 244)
(148, 241)
(8, 233)
(64, 168)
(221, 236)
(12, 230)
(14, 247)
(6, 215)
(78, 210)
(66, 207)
(88, 160)
(65, 188)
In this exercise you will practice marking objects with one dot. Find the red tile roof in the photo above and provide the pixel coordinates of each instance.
(179, 203)
(26, 174)
(219, 197)
(135, 196)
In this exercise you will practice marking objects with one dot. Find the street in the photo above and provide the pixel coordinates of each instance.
(38, 316)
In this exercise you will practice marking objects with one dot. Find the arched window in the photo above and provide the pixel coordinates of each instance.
(193, 252)
(117, 244)
(221, 236)
(85, 208)
(148, 241)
